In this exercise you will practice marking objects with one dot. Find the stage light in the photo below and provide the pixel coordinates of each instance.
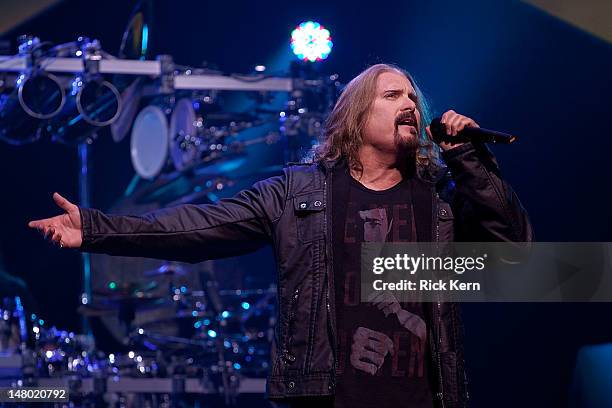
(310, 41)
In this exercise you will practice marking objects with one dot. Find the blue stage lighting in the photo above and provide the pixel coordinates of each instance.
(310, 41)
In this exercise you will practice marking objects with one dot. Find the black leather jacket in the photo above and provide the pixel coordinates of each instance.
(292, 212)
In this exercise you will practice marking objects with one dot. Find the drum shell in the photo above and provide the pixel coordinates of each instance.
(96, 103)
(35, 98)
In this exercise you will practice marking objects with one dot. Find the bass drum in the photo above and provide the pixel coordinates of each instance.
(149, 143)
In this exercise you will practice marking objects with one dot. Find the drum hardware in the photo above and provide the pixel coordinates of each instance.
(222, 349)
(93, 102)
(36, 95)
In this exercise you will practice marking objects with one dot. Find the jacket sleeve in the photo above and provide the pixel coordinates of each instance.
(486, 206)
(191, 233)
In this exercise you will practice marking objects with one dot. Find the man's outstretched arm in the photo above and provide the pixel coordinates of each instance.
(188, 233)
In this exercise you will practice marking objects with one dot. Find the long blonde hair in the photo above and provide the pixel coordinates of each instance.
(344, 127)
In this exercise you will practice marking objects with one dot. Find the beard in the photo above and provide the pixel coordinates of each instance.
(406, 144)
(406, 147)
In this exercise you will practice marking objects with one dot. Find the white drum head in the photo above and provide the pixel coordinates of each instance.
(149, 144)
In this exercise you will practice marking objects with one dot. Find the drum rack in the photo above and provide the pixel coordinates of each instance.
(157, 68)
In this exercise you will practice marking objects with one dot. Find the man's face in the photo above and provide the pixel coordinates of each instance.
(394, 121)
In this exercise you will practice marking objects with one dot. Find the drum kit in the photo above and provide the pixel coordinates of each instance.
(212, 341)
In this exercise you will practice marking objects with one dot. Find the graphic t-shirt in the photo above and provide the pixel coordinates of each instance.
(382, 345)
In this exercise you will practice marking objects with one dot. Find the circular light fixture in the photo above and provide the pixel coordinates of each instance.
(310, 41)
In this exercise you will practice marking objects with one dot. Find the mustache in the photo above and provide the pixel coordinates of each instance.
(406, 118)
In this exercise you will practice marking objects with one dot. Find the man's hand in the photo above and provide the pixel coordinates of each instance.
(454, 123)
(369, 350)
(65, 229)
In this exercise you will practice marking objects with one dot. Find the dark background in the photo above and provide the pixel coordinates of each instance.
(506, 64)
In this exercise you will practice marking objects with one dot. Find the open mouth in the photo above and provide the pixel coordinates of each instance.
(409, 123)
(407, 120)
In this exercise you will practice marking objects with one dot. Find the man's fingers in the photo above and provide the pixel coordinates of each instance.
(49, 231)
(446, 115)
(465, 122)
(447, 118)
(57, 238)
(42, 225)
(456, 124)
(38, 224)
(62, 202)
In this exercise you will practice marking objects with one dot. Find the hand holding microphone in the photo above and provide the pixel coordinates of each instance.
(452, 130)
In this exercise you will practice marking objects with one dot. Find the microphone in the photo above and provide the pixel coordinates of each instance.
(468, 134)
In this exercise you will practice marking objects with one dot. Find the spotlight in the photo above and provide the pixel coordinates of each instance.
(310, 41)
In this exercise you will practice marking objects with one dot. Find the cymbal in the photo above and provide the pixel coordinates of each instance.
(167, 269)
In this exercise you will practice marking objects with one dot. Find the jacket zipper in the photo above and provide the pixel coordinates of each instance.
(330, 282)
(438, 314)
(290, 358)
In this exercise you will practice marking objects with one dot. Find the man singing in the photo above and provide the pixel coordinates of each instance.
(377, 177)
